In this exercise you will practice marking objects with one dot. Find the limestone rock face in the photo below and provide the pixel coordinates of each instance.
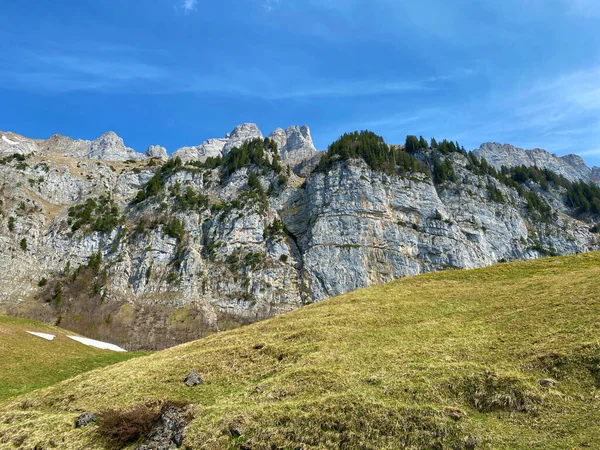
(175, 268)
(66, 146)
(295, 144)
(358, 228)
(108, 147)
(156, 151)
(187, 154)
(211, 148)
(219, 147)
(11, 143)
(240, 134)
(571, 167)
(279, 136)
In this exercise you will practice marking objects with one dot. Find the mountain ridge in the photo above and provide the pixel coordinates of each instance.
(295, 144)
(153, 252)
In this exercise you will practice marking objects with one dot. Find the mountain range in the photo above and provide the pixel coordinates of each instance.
(148, 250)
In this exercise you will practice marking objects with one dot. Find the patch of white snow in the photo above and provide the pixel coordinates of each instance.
(97, 344)
(8, 141)
(46, 336)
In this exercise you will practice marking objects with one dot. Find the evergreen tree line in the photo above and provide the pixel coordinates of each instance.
(373, 150)
(414, 145)
(583, 197)
(254, 153)
(157, 182)
(101, 215)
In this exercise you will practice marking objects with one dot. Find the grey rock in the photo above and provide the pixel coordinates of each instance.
(108, 147)
(241, 134)
(278, 135)
(85, 419)
(156, 151)
(295, 144)
(186, 154)
(219, 147)
(571, 167)
(211, 148)
(193, 379)
(168, 432)
(11, 143)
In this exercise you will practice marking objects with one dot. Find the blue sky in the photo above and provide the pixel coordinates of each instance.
(176, 72)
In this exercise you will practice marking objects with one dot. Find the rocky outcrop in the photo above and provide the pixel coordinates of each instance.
(108, 147)
(571, 167)
(240, 134)
(358, 227)
(156, 151)
(219, 147)
(11, 143)
(295, 144)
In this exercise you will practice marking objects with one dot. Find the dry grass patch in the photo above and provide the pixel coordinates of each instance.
(445, 360)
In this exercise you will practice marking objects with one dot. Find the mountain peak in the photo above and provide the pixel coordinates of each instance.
(571, 167)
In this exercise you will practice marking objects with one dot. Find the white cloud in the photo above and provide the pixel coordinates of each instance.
(593, 152)
(190, 5)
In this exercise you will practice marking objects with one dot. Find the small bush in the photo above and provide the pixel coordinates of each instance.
(43, 282)
(497, 392)
(174, 228)
(173, 277)
(11, 224)
(123, 427)
(23, 244)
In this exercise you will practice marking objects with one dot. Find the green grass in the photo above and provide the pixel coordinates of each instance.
(449, 360)
(29, 362)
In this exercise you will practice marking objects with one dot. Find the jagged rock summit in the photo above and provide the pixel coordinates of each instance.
(572, 167)
(108, 147)
(156, 151)
(295, 144)
(11, 143)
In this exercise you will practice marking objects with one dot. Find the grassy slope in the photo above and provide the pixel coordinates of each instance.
(444, 360)
(28, 362)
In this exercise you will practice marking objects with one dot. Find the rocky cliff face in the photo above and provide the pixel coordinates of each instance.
(295, 144)
(202, 251)
(572, 167)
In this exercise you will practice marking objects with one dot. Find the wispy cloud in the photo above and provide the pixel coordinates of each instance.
(593, 152)
(189, 5)
(559, 113)
(121, 70)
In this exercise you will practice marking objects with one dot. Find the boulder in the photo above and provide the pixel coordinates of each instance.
(168, 432)
(156, 151)
(193, 379)
(85, 419)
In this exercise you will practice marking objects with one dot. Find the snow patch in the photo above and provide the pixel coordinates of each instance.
(8, 141)
(97, 344)
(48, 337)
